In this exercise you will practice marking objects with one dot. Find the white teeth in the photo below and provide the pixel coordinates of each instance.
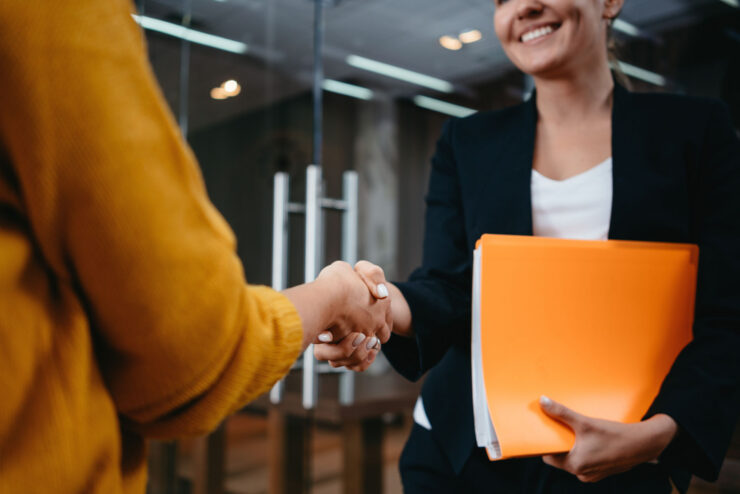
(536, 33)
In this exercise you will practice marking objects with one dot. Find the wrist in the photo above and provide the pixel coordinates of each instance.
(401, 312)
(663, 430)
(334, 294)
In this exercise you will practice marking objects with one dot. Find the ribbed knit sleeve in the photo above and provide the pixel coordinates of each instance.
(118, 209)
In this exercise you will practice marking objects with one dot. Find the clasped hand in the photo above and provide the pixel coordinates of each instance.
(363, 319)
(361, 316)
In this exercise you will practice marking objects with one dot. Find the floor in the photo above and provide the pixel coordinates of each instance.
(247, 471)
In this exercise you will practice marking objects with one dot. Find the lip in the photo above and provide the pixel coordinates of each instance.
(555, 26)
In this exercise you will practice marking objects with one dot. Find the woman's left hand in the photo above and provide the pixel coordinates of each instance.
(603, 447)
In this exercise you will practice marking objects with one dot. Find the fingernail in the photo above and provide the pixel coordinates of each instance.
(382, 290)
(545, 401)
(358, 339)
(371, 343)
(325, 337)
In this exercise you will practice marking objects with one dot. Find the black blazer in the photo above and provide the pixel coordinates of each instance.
(676, 176)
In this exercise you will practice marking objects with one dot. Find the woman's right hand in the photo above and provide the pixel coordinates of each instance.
(355, 310)
(338, 303)
(349, 352)
(374, 279)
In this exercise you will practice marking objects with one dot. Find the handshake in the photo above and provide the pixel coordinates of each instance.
(358, 316)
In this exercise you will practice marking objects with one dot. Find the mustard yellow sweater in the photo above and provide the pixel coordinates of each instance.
(124, 312)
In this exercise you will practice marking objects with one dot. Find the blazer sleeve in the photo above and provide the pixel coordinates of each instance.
(701, 391)
(438, 293)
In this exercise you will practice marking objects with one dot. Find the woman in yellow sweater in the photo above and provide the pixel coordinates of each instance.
(124, 312)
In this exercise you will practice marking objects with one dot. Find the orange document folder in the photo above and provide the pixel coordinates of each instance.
(594, 325)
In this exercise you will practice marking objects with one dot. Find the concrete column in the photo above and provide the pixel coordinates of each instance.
(376, 161)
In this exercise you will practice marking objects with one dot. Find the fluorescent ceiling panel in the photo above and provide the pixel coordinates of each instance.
(347, 89)
(400, 73)
(442, 106)
(191, 35)
(642, 74)
(625, 27)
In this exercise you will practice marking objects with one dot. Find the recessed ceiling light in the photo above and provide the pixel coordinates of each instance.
(470, 36)
(732, 3)
(450, 43)
(231, 87)
(218, 93)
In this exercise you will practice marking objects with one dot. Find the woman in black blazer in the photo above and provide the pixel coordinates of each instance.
(675, 178)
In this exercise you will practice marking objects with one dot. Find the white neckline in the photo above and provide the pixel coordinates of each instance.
(603, 164)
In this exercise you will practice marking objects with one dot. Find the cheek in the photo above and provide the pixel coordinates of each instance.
(500, 27)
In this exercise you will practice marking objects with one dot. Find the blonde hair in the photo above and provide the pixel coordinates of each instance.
(612, 51)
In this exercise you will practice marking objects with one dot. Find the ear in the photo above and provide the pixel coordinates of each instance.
(612, 8)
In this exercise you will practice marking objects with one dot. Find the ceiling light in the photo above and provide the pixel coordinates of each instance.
(231, 87)
(191, 35)
(470, 36)
(642, 74)
(625, 27)
(400, 73)
(218, 93)
(351, 90)
(442, 106)
(450, 43)
(732, 3)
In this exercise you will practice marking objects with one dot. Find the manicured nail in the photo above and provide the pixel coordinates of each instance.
(358, 339)
(545, 401)
(325, 337)
(382, 290)
(372, 342)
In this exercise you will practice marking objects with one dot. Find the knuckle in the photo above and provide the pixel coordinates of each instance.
(376, 270)
(362, 265)
(579, 469)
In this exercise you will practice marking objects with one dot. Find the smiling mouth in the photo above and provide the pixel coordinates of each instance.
(538, 33)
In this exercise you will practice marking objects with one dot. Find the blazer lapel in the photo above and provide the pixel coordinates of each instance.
(628, 168)
(505, 174)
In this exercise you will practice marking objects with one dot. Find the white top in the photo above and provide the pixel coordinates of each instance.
(578, 207)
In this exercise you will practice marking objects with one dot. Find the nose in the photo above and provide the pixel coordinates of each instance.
(529, 8)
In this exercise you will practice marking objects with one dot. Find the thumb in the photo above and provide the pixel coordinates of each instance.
(373, 277)
(561, 413)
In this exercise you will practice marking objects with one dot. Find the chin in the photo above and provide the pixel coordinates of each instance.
(541, 67)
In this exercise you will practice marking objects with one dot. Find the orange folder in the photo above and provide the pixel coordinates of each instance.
(594, 325)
